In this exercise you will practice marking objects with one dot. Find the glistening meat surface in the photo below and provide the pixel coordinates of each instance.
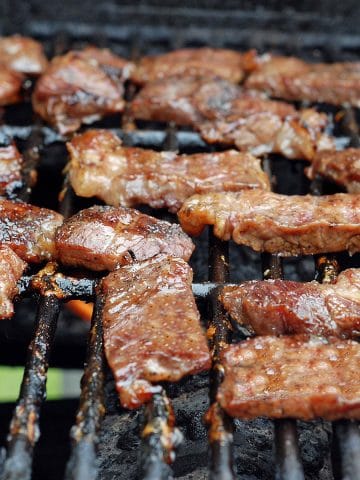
(23, 55)
(287, 225)
(11, 163)
(11, 270)
(100, 166)
(277, 307)
(296, 376)
(102, 238)
(152, 327)
(10, 86)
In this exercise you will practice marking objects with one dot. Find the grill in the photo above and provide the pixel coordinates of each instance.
(143, 444)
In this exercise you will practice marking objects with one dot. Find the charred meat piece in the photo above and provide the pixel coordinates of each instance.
(11, 270)
(341, 167)
(225, 113)
(282, 224)
(277, 307)
(10, 87)
(23, 55)
(100, 166)
(102, 238)
(293, 79)
(205, 62)
(28, 230)
(298, 376)
(152, 329)
(81, 87)
(11, 164)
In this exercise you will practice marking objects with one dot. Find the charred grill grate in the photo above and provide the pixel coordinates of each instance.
(159, 435)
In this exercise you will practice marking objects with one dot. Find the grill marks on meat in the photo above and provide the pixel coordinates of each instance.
(286, 225)
(152, 331)
(100, 166)
(10, 87)
(205, 62)
(293, 79)
(292, 376)
(342, 167)
(11, 163)
(23, 55)
(225, 113)
(277, 307)
(11, 270)
(102, 238)
(81, 87)
(28, 230)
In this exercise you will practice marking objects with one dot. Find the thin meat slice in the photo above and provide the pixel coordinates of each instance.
(11, 164)
(277, 307)
(28, 230)
(100, 166)
(341, 167)
(152, 329)
(10, 86)
(282, 224)
(225, 113)
(102, 238)
(11, 270)
(293, 79)
(296, 376)
(205, 62)
(81, 87)
(22, 54)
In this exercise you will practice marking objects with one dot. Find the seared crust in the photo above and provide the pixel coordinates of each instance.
(11, 163)
(23, 55)
(10, 86)
(287, 225)
(292, 376)
(152, 329)
(11, 270)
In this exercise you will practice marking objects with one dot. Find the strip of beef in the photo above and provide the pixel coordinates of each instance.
(28, 230)
(22, 54)
(81, 87)
(293, 79)
(205, 62)
(11, 164)
(225, 113)
(10, 86)
(11, 270)
(277, 307)
(341, 167)
(296, 376)
(152, 329)
(102, 238)
(282, 224)
(100, 166)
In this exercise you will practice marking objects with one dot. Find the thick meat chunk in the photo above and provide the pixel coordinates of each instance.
(287, 225)
(102, 238)
(22, 54)
(152, 330)
(11, 163)
(296, 376)
(11, 269)
(100, 166)
(277, 307)
(81, 87)
(225, 113)
(342, 167)
(10, 87)
(28, 230)
(293, 79)
(205, 62)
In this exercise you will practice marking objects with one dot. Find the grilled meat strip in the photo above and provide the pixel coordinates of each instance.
(11, 163)
(102, 238)
(10, 86)
(152, 331)
(282, 224)
(342, 167)
(100, 166)
(81, 87)
(205, 62)
(277, 307)
(293, 79)
(23, 55)
(11, 270)
(292, 376)
(225, 113)
(28, 230)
